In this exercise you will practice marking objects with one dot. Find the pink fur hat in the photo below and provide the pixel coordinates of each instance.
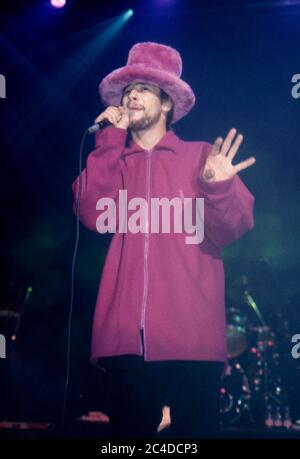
(152, 63)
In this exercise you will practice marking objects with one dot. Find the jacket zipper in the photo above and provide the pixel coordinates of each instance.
(146, 250)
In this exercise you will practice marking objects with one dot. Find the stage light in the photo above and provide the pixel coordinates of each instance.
(58, 3)
(128, 14)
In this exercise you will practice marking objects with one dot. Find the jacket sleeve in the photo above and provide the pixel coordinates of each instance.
(102, 176)
(228, 210)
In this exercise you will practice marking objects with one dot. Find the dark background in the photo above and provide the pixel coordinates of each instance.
(239, 57)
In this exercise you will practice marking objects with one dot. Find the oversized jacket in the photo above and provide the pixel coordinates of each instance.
(156, 282)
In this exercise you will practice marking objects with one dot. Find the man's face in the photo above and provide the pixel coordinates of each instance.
(143, 101)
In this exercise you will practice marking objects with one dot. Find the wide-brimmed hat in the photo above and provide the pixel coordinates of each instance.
(152, 63)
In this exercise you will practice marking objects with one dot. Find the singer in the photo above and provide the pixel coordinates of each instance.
(159, 322)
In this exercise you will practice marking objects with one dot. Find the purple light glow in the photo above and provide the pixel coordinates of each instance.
(58, 3)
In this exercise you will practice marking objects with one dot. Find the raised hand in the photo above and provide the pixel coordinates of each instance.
(219, 165)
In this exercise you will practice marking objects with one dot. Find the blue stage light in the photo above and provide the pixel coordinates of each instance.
(128, 14)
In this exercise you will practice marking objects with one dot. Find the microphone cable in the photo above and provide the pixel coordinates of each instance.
(69, 321)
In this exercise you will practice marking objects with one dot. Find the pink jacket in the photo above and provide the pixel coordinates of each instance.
(156, 282)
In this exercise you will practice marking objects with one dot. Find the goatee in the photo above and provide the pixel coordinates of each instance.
(144, 123)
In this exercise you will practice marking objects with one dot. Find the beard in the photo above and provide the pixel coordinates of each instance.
(144, 122)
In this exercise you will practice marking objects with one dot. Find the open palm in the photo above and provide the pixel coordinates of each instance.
(219, 165)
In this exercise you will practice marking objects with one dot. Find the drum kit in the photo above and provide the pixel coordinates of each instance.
(251, 380)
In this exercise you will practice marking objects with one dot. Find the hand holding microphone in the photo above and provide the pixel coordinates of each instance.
(115, 116)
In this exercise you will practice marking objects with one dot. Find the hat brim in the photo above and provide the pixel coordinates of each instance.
(182, 95)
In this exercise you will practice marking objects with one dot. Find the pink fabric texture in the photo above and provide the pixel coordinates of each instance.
(151, 63)
(182, 307)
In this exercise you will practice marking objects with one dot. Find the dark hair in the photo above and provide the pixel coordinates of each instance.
(164, 98)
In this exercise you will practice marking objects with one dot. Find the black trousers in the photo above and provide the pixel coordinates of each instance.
(137, 391)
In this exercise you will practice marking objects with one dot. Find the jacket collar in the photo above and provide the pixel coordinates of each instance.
(169, 142)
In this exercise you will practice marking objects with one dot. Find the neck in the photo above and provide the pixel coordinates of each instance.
(148, 138)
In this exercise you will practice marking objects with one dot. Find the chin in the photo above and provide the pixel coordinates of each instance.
(138, 125)
(142, 123)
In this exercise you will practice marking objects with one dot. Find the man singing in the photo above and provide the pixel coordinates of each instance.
(159, 322)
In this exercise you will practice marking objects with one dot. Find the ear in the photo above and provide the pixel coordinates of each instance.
(167, 106)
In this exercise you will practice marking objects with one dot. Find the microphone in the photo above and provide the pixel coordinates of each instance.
(102, 124)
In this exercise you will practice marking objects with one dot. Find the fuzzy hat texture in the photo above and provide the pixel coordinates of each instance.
(152, 63)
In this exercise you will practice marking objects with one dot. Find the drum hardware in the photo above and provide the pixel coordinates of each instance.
(250, 301)
(11, 314)
(235, 394)
(236, 333)
(252, 380)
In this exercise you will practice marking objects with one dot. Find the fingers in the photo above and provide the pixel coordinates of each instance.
(227, 142)
(112, 114)
(244, 164)
(236, 145)
(123, 110)
(215, 149)
(227, 148)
